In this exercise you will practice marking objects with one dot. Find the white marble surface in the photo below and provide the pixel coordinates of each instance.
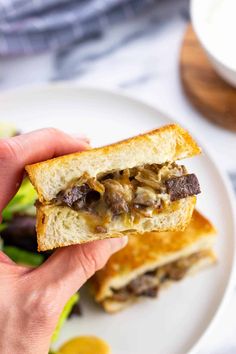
(145, 66)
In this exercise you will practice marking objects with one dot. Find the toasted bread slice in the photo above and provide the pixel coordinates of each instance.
(151, 251)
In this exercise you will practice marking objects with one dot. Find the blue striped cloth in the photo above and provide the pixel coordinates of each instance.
(31, 26)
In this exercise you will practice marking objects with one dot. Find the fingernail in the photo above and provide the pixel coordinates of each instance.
(118, 243)
(85, 145)
(81, 137)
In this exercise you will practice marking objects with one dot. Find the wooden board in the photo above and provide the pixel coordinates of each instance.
(212, 96)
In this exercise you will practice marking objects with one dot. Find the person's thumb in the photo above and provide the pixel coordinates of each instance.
(4, 259)
(69, 267)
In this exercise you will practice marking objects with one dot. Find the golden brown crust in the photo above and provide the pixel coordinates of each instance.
(185, 139)
(185, 147)
(41, 220)
(149, 247)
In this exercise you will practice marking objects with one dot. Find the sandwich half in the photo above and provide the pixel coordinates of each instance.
(133, 185)
(152, 261)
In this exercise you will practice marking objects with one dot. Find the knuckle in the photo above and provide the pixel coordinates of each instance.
(90, 262)
(52, 131)
(6, 151)
(10, 150)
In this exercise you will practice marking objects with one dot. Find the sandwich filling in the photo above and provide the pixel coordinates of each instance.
(149, 283)
(135, 191)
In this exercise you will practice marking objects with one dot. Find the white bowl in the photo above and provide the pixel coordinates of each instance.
(199, 13)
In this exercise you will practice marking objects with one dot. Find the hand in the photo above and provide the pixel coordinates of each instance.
(31, 300)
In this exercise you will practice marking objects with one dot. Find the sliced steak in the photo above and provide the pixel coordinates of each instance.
(115, 197)
(178, 269)
(144, 285)
(78, 197)
(69, 197)
(182, 187)
(176, 273)
(120, 294)
(150, 292)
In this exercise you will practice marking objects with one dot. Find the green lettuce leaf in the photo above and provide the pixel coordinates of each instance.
(23, 201)
(7, 130)
(3, 226)
(23, 257)
(64, 315)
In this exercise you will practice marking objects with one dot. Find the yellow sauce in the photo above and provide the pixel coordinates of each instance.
(85, 345)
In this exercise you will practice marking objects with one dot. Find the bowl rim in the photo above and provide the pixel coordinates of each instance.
(203, 42)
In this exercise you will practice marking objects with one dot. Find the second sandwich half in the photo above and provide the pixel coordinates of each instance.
(152, 261)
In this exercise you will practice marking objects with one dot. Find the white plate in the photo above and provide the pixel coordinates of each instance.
(175, 322)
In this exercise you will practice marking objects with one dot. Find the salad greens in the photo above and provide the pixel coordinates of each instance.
(7, 130)
(21, 256)
(3, 226)
(64, 315)
(23, 201)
